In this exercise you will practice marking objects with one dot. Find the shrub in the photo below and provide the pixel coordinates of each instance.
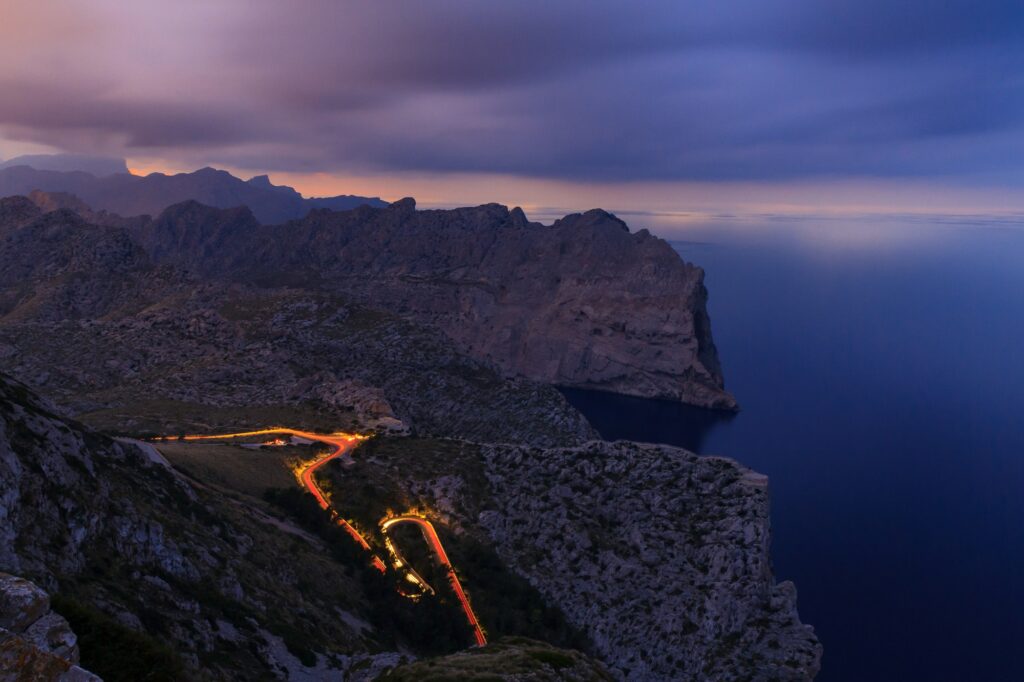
(117, 653)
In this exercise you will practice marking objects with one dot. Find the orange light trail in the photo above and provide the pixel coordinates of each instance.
(430, 535)
(342, 442)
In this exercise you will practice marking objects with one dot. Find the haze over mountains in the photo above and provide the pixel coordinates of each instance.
(95, 165)
(106, 185)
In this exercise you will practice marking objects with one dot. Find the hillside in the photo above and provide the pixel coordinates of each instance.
(659, 557)
(101, 526)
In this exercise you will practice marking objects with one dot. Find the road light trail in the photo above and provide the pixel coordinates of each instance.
(430, 535)
(342, 443)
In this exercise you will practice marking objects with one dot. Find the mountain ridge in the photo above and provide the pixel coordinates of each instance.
(583, 302)
(130, 195)
(95, 165)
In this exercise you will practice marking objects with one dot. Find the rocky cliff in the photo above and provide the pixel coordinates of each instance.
(661, 556)
(436, 323)
(583, 302)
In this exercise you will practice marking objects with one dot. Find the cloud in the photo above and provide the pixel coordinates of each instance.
(573, 90)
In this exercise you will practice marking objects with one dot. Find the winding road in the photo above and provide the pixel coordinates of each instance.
(441, 557)
(342, 444)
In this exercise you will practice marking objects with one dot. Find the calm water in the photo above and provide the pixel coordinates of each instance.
(881, 383)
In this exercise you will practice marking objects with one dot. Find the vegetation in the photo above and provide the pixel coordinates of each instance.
(430, 625)
(510, 658)
(377, 484)
(505, 602)
(147, 417)
(245, 470)
(114, 652)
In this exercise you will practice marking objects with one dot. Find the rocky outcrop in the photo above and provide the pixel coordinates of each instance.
(369, 403)
(581, 303)
(660, 556)
(36, 644)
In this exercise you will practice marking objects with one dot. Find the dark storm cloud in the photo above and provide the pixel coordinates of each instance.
(45, 112)
(579, 90)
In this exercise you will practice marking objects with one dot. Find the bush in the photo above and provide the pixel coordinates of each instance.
(117, 653)
(430, 626)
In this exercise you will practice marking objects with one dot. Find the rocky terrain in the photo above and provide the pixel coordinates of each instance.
(659, 557)
(583, 302)
(36, 644)
(440, 331)
(142, 556)
(662, 556)
(132, 195)
(187, 355)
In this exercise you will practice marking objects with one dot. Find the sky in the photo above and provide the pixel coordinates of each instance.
(696, 108)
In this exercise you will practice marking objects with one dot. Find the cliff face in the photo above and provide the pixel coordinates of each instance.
(660, 556)
(205, 320)
(582, 303)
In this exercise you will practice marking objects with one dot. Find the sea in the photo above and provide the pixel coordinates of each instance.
(879, 365)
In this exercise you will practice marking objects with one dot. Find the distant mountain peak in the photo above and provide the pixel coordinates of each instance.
(593, 218)
(209, 171)
(132, 195)
(403, 205)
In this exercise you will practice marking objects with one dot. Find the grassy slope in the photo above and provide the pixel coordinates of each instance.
(229, 466)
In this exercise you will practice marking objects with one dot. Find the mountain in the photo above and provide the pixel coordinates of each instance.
(222, 352)
(95, 165)
(426, 329)
(583, 302)
(133, 195)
